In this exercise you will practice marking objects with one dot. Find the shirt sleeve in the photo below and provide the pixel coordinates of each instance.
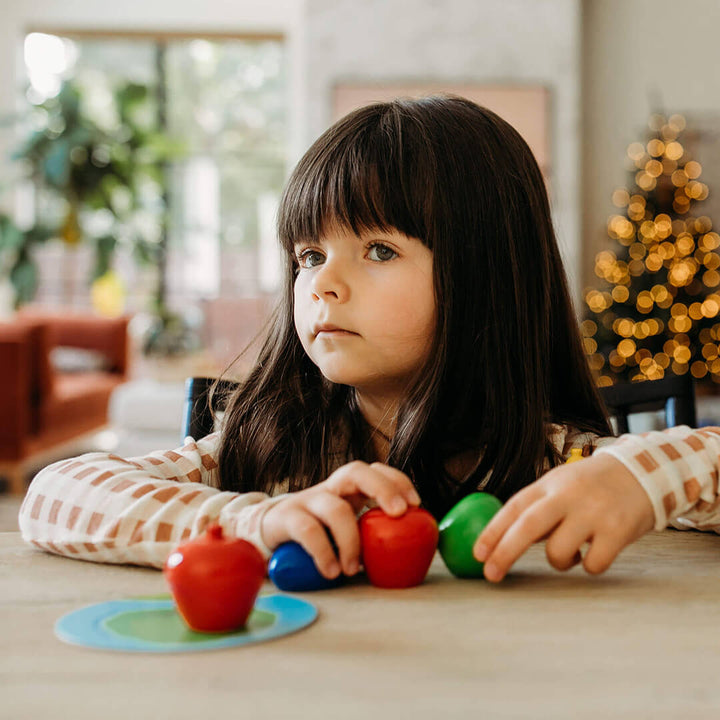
(678, 469)
(104, 508)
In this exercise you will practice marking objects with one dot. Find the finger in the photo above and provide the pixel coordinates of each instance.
(601, 554)
(563, 545)
(537, 520)
(400, 480)
(359, 477)
(503, 520)
(306, 529)
(338, 516)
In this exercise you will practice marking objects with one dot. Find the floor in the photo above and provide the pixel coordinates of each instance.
(9, 508)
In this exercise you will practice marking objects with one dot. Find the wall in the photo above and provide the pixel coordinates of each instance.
(490, 41)
(636, 50)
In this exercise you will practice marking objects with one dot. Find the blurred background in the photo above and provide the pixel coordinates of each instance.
(144, 145)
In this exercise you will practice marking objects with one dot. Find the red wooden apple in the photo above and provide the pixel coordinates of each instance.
(397, 551)
(215, 580)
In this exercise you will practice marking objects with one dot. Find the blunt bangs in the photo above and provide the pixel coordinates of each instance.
(373, 170)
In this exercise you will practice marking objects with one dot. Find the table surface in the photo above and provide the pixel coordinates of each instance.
(641, 641)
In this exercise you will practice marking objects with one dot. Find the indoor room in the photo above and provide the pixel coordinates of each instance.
(175, 266)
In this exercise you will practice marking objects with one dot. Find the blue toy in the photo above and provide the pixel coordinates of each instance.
(292, 569)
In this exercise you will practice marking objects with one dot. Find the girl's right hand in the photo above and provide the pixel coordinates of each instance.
(334, 504)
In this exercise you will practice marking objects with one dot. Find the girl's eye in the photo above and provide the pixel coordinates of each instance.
(310, 258)
(381, 253)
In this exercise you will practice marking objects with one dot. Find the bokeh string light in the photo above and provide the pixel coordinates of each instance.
(659, 309)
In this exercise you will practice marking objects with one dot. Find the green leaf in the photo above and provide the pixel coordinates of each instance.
(57, 164)
(24, 277)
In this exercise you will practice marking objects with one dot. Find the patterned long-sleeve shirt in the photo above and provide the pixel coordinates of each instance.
(104, 508)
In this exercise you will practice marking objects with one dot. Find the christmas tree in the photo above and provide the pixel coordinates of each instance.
(658, 310)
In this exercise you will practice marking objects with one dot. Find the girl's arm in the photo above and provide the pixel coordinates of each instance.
(104, 508)
(609, 500)
(678, 469)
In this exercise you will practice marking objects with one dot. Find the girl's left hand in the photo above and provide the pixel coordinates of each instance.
(596, 501)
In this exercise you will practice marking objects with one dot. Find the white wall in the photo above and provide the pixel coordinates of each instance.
(487, 41)
(634, 48)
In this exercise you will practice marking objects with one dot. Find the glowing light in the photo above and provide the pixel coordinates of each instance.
(663, 226)
(656, 148)
(679, 178)
(711, 260)
(620, 294)
(636, 151)
(666, 251)
(682, 354)
(636, 268)
(677, 122)
(47, 59)
(711, 240)
(621, 197)
(644, 301)
(681, 205)
(693, 169)
(695, 311)
(654, 168)
(645, 181)
(710, 307)
(685, 244)
(590, 345)
(674, 150)
(626, 348)
(623, 327)
(698, 369)
(703, 224)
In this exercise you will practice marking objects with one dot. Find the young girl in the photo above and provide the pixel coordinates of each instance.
(425, 347)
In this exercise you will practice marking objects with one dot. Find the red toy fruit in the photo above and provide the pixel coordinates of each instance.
(215, 580)
(397, 551)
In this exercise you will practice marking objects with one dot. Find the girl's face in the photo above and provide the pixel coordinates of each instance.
(365, 307)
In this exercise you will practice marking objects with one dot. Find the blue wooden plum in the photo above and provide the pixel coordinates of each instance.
(291, 568)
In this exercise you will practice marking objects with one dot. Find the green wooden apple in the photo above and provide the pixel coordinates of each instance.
(459, 530)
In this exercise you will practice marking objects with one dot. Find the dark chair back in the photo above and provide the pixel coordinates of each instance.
(200, 407)
(675, 394)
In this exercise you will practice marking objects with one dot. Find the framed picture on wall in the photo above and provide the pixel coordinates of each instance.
(525, 107)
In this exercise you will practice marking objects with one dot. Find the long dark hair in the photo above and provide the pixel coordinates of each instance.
(506, 356)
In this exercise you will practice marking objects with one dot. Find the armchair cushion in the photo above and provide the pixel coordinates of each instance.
(41, 406)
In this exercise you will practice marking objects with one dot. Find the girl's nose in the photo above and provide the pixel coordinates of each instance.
(328, 283)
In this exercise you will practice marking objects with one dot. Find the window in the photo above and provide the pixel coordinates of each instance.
(223, 101)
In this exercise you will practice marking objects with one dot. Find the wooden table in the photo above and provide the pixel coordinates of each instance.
(641, 641)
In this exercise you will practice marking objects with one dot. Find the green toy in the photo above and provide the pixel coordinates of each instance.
(459, 530)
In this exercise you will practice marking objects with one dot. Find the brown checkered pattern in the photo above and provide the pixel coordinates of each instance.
(678, 468)
(108, 509)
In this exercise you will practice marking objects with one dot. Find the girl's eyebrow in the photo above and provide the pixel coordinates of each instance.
(307, 241)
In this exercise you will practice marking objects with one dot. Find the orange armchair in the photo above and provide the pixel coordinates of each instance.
(43, 408)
